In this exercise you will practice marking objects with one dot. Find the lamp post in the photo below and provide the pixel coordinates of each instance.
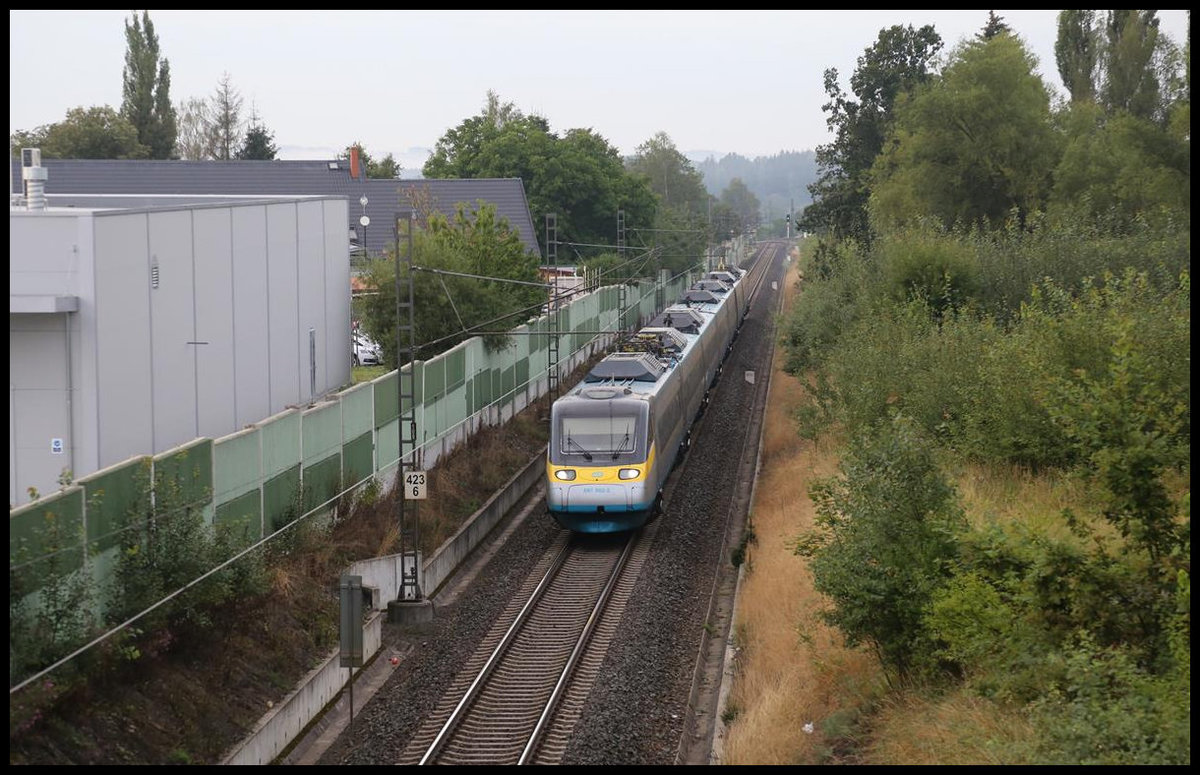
(365, 221)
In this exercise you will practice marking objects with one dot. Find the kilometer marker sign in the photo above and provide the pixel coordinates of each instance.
(414, 485)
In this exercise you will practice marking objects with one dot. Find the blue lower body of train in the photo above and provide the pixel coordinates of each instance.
(602, 507)
(606, 519)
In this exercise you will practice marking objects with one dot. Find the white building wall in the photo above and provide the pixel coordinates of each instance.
(337, 317)
(172, 329)
(212, 239)
(310, 253)
(248, 280)
(283, 305)
(39, 402)
(124, 386)
(252, 382)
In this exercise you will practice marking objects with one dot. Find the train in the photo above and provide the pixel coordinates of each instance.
(617, 434)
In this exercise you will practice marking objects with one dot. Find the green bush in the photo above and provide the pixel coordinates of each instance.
(1013, 261)
(884, 541)
(1130, 418)
(835, 294)
(1109, 710)
(938, 269)
(49, 622)
(1006, 420)
(900, 359)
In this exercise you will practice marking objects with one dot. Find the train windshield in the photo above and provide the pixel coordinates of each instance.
(598, 438)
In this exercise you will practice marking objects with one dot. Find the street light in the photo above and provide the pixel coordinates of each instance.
(365, 221)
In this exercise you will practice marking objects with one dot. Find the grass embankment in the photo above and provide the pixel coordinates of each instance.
(800, 695)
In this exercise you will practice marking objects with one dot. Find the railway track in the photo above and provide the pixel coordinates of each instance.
(523, 689)
(637, 693)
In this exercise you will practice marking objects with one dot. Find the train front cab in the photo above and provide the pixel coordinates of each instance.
(601, 471)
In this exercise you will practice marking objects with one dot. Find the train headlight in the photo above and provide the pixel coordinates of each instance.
(566, 474)
(629, 473)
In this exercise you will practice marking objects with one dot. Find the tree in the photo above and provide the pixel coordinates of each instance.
(473, 243)
(671, 175)
(27, 138)
(682, 223)
(146, 88)
(194, 137)
(578, 177)
(387, 169)
(584, 183)
(1122, 170)
(899, 61)
(1131, 82)
(259, 142)
(972, 147)
(742, 203)
(93, 133)
(224, 129)
(463, 152)
(995, 26)
(1076, 52)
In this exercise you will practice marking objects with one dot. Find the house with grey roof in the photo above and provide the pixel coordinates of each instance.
(386, 199)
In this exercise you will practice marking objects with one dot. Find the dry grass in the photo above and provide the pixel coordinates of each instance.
(792, 669)
(957, 729)
(1008, 494)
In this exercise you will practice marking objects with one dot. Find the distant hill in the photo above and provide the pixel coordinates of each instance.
(780, 181)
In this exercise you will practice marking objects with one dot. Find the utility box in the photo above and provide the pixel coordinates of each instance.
(351, 651)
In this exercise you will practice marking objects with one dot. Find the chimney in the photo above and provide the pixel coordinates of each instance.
(354, 161)
(34, 177)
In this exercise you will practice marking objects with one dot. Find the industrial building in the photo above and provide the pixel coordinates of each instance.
(140, 323)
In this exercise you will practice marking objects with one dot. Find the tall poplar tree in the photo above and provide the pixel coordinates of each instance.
(146, 88)
(1131, 82)
(1076, 53)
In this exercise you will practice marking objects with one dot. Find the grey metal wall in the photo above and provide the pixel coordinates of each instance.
(250, 315)
(226, 332)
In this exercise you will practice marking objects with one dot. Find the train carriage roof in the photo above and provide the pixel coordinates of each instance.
(680, 318)
(639, 367)
(701, 297)
(716, 286)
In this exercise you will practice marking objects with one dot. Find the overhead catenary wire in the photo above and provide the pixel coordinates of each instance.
(480, 329)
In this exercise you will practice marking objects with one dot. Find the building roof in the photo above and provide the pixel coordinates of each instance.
(386, 199)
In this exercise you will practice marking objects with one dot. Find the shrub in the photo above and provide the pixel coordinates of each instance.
(835, 295)
(883, 543)
(939, 270)
(1109, 710)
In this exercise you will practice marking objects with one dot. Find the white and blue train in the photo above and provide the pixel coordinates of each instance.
(616, 435)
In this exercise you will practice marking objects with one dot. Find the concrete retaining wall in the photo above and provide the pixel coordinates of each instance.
(287, 720)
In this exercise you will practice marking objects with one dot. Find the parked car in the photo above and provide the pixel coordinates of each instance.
(365, 351)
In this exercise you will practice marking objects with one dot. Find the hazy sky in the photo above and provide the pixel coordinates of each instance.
(723, 81)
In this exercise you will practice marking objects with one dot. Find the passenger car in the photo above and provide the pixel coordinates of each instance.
(365, 351)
